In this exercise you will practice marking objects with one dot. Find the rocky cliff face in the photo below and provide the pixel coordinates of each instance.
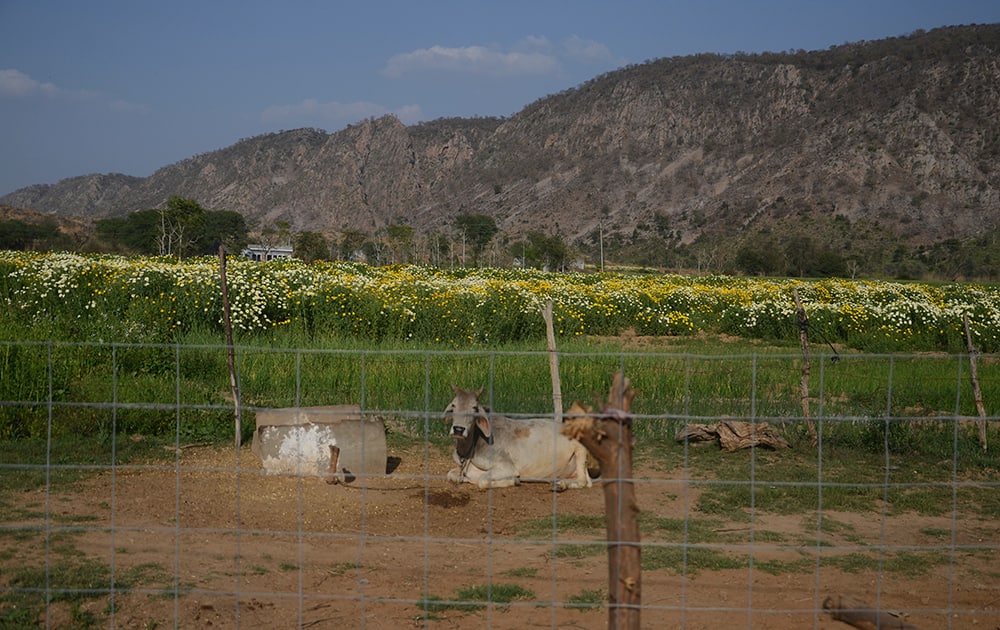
(899, 135)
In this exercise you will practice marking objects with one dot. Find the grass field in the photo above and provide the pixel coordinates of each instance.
(106, 361)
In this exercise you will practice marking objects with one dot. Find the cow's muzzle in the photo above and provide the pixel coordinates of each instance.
(458, 431)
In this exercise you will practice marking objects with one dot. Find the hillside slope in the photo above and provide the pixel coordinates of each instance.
(891, 139)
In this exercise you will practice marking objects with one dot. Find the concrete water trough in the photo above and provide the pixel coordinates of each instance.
(336, 443)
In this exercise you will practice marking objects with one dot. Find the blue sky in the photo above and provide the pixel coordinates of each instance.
(129, 86)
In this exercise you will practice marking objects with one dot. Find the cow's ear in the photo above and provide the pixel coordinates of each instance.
(484, 427)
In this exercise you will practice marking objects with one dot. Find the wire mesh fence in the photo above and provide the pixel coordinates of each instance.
(126, 504)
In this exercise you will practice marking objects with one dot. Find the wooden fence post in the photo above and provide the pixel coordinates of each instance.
(977, 393)
(608, 436)
(230, 353)
(550, 335)
(806, 366)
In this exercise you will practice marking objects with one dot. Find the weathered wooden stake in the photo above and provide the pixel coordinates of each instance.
(230, 352)
(608, 436)
(806, 366)
(550, 335)
(977, 393)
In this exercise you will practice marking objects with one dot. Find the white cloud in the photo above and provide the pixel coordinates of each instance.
(312, 111)
(19, 85)
(535, 43)
(587, 51)
(16, 83)
(533, 55)
(409, 114)
(471, 60)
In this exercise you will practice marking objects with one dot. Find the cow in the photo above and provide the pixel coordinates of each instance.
(495, 451)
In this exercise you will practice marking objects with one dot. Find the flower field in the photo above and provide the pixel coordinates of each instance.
(141, 300)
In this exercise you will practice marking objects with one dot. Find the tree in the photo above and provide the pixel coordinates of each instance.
(17, 234)
(477, 230)
(760, 259)
(351, 243)
(662, 224)
(438, 247)
(273, 235)
(400, 242)
(799, 251)
(828, 264)
(541, 251)
(222, 227)
(139, 232)
(183, 228)
(806, 259)
(374, 251)
(180, 222)
(111, 230)
(311, 246)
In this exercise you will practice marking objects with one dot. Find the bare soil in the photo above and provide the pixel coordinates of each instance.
(224, 545)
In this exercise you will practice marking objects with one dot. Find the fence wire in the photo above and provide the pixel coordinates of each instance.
(126, 505)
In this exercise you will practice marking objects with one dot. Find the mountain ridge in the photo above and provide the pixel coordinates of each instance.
(895, 137)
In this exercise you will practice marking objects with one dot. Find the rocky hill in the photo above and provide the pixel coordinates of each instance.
(865, 146)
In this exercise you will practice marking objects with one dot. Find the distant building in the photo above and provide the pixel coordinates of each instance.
(264, 253)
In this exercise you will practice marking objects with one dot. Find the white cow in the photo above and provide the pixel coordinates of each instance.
(496, 452)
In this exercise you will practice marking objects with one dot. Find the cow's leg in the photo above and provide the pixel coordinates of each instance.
(494, 477)
(466, 471)
(580, 478)
(491, 482)
(500, 474)
(455, 475)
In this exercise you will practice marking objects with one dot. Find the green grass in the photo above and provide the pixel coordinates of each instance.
(66, 459)
(690, 560)
(105, 390)
(521, 572)
(587, 599)
(903, 563)
(494, 593)
(476, 597)
(562, 522)
(692, 530)
(342, 568)
(580, 551)
(888, 439)
(829, 528)
(842, 479)
(780, 567)
(914, 564)
(71, 579)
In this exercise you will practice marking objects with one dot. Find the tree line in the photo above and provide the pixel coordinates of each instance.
(16, 234)
(183, 228)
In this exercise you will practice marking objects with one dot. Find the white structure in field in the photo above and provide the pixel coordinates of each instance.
(264, 253)
(334, 442)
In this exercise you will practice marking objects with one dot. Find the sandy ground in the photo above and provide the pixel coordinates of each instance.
(224, 545)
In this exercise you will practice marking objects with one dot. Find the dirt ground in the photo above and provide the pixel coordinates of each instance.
(226, 546)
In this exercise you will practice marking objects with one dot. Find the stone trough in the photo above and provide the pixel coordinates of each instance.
(336, 443)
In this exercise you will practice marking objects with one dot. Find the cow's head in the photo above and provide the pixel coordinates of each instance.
(469, 420)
